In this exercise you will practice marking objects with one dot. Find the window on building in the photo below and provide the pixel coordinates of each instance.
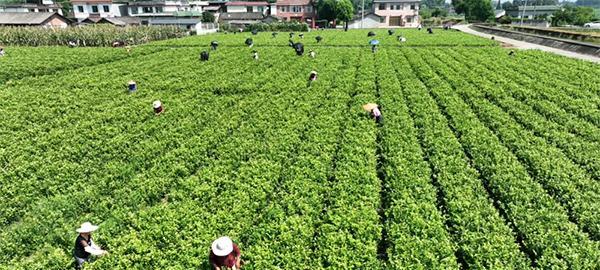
(381, 6)
(106, 8)
(260, 9)
(147, 10)
(248, 9)
(392, 7)
(134, 10)
(409, 19)
(159, 9)
(94, 9)
(382, 19)
(80, 9)
(282, 9)
(308, 9)
(296, 9)
(412, 7)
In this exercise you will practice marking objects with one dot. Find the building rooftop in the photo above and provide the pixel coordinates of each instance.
(396, 1)
(227, 16)
(246, 3)
(26, 18)
(293, 2)
(532, 8)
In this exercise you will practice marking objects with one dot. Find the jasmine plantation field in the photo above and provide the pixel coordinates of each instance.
(483, 161)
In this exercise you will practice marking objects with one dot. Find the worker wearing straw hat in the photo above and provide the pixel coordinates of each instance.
(312, 77)
(158, 107)
(85, 246)
(2, 51)
(225, 253)
(375, 112)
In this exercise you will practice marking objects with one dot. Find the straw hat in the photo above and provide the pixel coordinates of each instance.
(222, 246)
(156, 104)
(131, 82)
(87, 227)
(369, 106)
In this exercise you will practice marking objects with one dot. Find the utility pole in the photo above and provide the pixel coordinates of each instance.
(362, 17)
(523, 13)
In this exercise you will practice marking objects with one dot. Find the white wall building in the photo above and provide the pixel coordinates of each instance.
(45, 6)
(97, 8)
(370, 21)
(248, 7)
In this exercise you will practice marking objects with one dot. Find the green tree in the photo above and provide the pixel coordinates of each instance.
(208, 17)
(572, 15)
(344, 12)
(474, 10)
(439, 12)
(326, 10)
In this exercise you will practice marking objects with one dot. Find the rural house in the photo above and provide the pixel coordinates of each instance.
(43, 19)
(248, 7)
(83, 9)
(297, 10)
(397, 13)
(371, 20)
(43, 6)
(532, 12)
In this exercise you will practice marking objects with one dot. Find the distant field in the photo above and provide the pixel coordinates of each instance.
(483, 160)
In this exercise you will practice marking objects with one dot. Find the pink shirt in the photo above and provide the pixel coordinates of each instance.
(376, 112)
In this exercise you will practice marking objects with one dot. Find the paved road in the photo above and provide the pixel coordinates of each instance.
(528, 46)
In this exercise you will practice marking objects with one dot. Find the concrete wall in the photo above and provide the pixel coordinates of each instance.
(56, 22)
(564, 44)
(242, 9)
(113, 10)
(369, 22)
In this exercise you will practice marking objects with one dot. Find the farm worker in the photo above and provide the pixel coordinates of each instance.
(374, 110)
(158, 107)
(72, 44)
(128, 49)
(301, 35)
(274, 34)
(299, 48)
(85, 246)
(132, 86)
(312, 77)
(376, 114)
(511, 53)
(204, 56)
(2, 51)
(255, 55)
(401, 39)
(214, 44)
(493, 38)
(311, 54)
(249, 42)
(318, 38)
(118, 43)
(255, 32)
(225, 253)
(371, 34)
(429, 30)
(291, 34)
(419, 27)
(390, 32)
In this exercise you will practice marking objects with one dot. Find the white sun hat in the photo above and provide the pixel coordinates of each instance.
(87, 227)
(222, 246)
(156, 104)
